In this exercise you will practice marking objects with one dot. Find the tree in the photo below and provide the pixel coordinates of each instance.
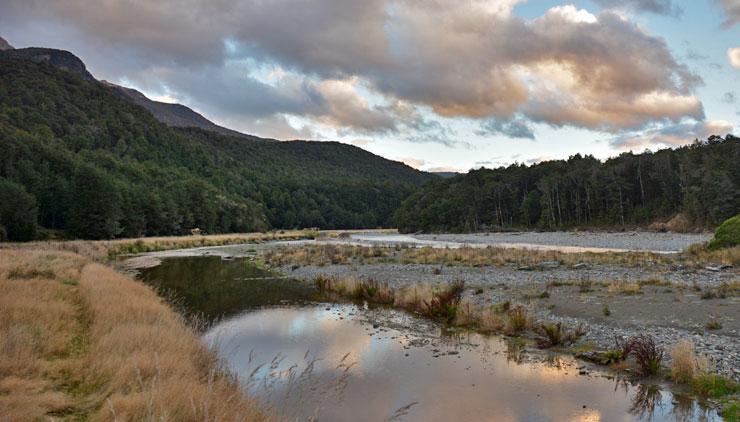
(95, 209)
(18, 212)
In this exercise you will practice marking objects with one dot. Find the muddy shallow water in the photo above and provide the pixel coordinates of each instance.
(345, 362)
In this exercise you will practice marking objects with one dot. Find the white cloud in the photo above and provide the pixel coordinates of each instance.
(733, 54)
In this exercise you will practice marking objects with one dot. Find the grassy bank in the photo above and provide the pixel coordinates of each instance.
(79, 341)
(696, 256)
(101, 250)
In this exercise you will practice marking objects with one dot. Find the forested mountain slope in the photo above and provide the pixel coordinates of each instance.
(701, 180)
(95, 165)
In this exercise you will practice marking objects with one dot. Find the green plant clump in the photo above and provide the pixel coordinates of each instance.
(727, 234)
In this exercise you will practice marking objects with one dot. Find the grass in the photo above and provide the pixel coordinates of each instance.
(713, 324)
(324, 255)
(103, 250)
(697, 256)
(683, 362)
(648, 354)
(91, 344)
(714, 386)
(551, 335)
(624, 288)
(442, 302)
(723, 291)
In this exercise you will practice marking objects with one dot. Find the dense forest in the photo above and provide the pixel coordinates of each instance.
(701, 181)
(78, 160)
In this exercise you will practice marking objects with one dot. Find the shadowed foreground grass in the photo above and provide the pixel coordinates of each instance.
(80, 341)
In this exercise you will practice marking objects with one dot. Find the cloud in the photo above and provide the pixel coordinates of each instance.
(732, 11)
(729, 97)
(416, 163)
(348, 64)
(671, 135)
(515, 128)
(538, 160)
(660, 7)
(733, 54)
(445, 169)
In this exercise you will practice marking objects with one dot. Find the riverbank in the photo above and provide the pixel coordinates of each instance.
(612, 295)
(80, 341)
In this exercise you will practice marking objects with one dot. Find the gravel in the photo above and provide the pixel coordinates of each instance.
(637, 241)
(404, 274)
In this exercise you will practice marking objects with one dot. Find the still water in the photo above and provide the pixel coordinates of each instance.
(339, 362)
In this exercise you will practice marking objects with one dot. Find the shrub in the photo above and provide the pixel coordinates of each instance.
(727, 234)
(647, 353)
(605, 310)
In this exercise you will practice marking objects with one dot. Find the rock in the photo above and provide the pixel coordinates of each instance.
(717, 268)
(549, 264)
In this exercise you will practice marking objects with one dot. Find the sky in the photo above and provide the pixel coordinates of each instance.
(442, 85)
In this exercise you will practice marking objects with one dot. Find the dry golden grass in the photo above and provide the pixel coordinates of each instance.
(697, 256)
(79, 340)
(477, 257)
(443, 302)
(324, 255)
(683, 362)
(100, 250)
(624, 288)
(37, 326)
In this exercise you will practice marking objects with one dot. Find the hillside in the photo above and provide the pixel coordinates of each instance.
(96, 165)
(173, 115)
(701, 181)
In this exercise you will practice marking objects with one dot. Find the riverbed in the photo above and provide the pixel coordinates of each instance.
(307, 358)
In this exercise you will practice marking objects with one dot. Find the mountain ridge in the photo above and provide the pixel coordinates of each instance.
(91, 163)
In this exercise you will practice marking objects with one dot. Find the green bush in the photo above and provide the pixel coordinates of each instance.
(727, 234)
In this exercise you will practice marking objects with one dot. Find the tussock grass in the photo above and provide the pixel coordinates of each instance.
(697, 256)
(551, 335)
(488, 256)
(324, 255)
(683, 362)
(102, 348)
(441, 302)
(101, 250)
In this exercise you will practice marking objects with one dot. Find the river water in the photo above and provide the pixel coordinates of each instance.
(339, 362)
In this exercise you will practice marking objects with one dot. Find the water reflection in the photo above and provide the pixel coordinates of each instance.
(343, 362)
(213, 287)
(392, 367)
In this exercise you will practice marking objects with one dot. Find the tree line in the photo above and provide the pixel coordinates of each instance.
(701, 181)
